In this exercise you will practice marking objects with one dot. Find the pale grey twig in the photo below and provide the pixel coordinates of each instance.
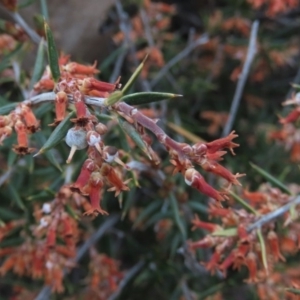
(17, 18)
(129, 275)
(109, 222)
(4, 177)
(185, 52)
(185, 290)
(273, 215)
(117, 68)
(242, 79)
(147, 28)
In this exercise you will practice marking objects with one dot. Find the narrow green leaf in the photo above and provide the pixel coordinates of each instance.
(25, 3)
(294, 291)
(44, 9)
(263, 250)
(7, 215)
(147, 97)
(112, 58)
(129, 202)
(177, 240)
(49, 154)
(199, 207)
(134, 135)
(134, 76)
(12, 242)
(52, 54)
(5, 61)
(58, 134)
(39, 65)
(271, 178)
(71, 212)
(114, 98)
(176, 215)
(225, 232)
(244, 203)
(12, 156)
(157, 217)
(148, 211)
(13, 194)
(6, 109)
(39, 22)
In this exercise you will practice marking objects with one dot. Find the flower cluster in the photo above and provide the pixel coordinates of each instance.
(274, 7)
(289, 134)
(241, 238)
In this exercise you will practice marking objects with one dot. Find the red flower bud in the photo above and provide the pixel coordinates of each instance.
(61, 103)
(214, 167)
(75, 68)
(194, 179)
(274, 246)
(222, 143)
(112, 177)
(84, 176)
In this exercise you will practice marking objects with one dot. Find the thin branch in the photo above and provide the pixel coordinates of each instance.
(185, 290)
(118, 65)
(274, 214)
(129, 275)
(17, 18)
(242, 79)
(125, 27)
(185, 52)
(109, 222)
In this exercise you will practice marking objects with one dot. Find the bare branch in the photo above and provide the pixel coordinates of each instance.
(129, 275)
(274, 214)
(242, 79)
(109, 222)
(185, 52)
(17, 18)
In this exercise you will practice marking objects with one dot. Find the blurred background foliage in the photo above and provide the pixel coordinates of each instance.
(155, 223)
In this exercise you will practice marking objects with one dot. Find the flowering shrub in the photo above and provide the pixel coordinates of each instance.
(69, 137)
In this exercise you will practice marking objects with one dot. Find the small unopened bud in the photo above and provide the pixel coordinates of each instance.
(101, 128)
(93, 139)
(110, 153)
(76, 139)
(46, 208)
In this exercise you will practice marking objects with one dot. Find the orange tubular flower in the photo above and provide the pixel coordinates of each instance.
(61, 103)
(51, 238)
(211, 227)
(213, 264)
(118, 185)
(63, 59)
(75, 68)
(81, 111)
(95, 186)
(206, 242)
(31, 122)
(22, 147)
(95, 93)
(250, 262)
(291, 117)
(89, 84)
(45, 84)
(219, 170)
(274, 246)
(10, 4)
(84, 176)
(194, 179)
(227, 262)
